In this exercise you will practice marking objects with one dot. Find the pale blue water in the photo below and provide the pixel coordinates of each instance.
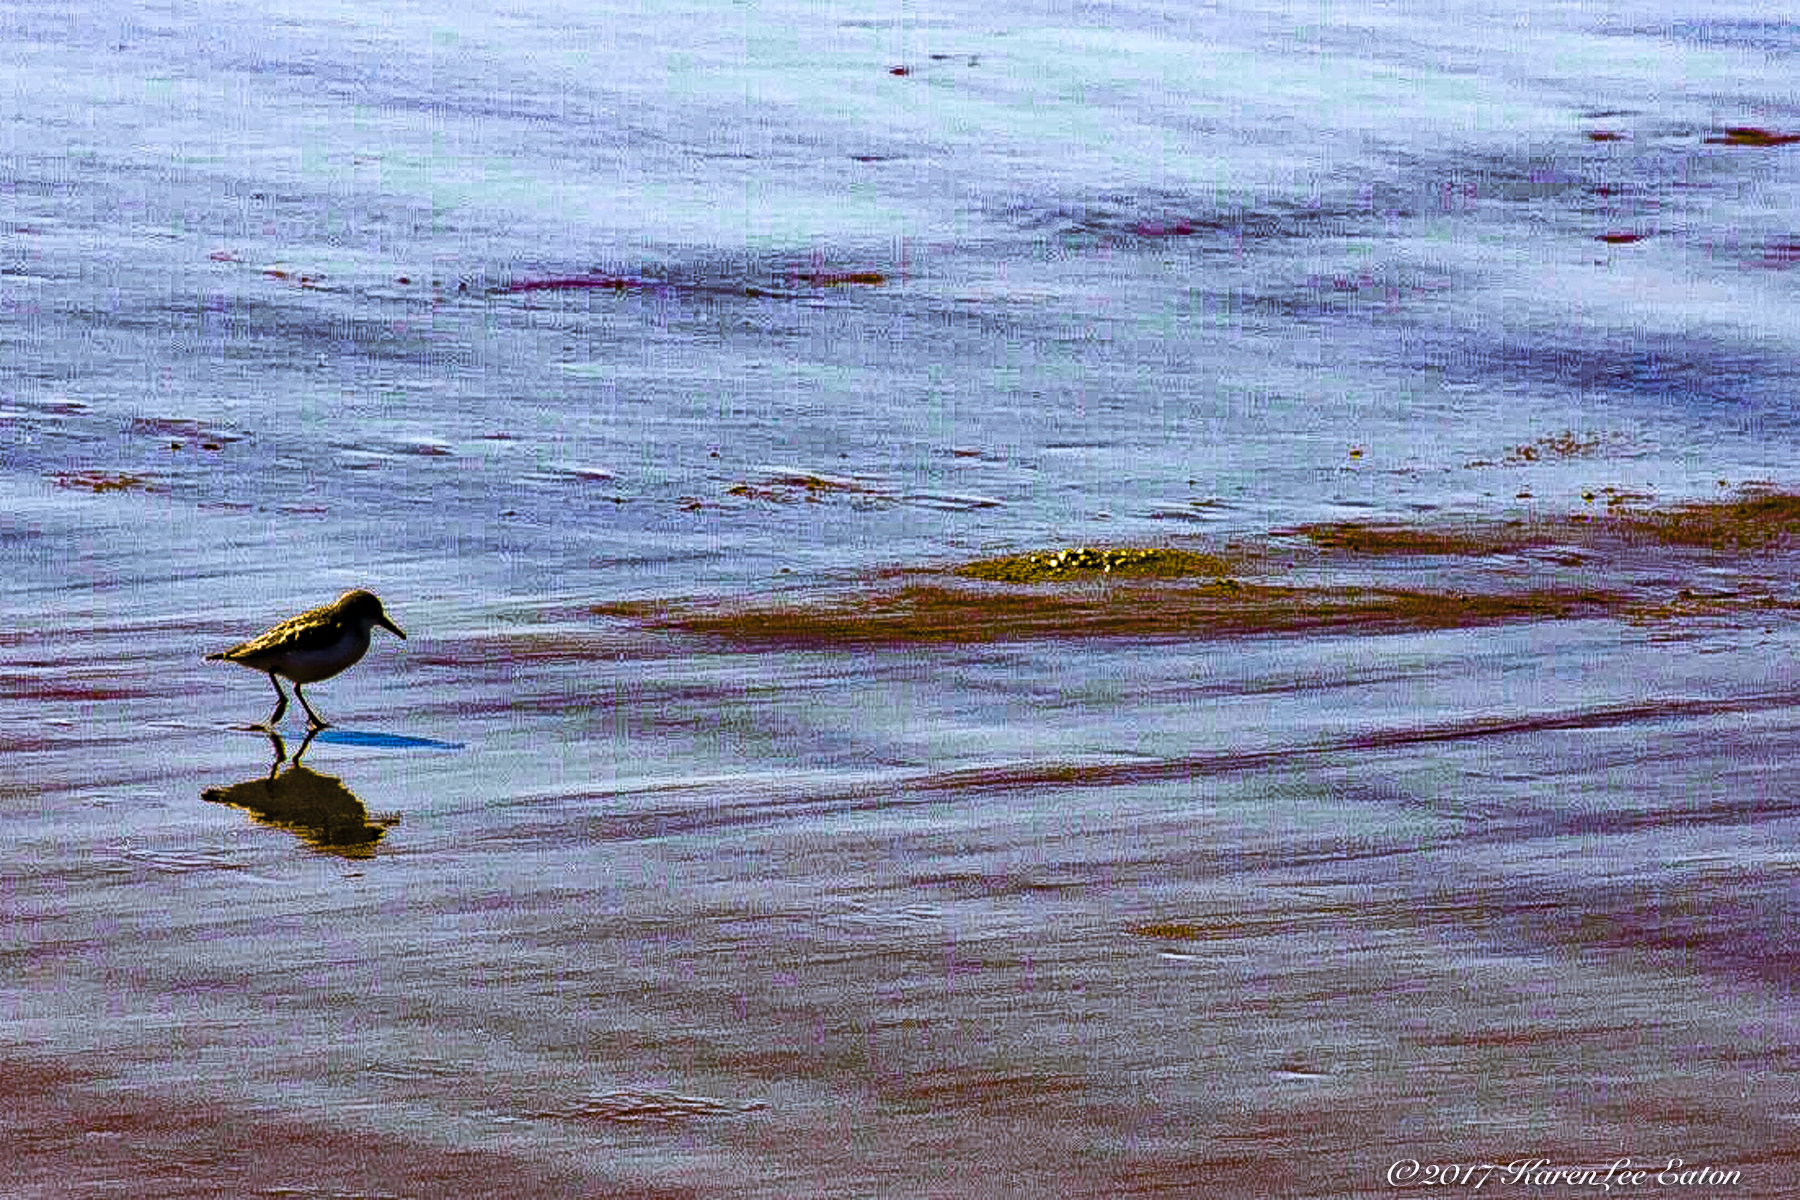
(1146, 272)
(1136, 262)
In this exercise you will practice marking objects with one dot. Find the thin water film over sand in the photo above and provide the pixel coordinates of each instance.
(1002, 601)
(1311, 883)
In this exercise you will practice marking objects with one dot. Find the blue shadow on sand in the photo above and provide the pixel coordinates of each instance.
(386, 741)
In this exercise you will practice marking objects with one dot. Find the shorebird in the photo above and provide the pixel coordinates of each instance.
(315, 645)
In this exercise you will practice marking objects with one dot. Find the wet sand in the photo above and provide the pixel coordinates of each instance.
(644, 905)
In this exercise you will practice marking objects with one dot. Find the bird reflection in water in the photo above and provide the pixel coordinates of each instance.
(316, 808)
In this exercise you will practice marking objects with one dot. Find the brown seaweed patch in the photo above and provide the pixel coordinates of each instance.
(1750, 135)
(1761, 521)
(1219, 608)
(839, 278)
(1408, 913)
(1163, 593)
(1184, 931)
(1758, 521)
(1473, 541)
(625, 285)
(286, 276)
(577, 283)
(1567, 444)
(1153, 562)
(1690, 605)
(106, 481)
(786, 487)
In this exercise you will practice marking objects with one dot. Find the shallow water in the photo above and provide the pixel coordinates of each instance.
(509, 313)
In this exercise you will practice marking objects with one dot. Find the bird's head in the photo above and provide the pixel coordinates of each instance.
(366, 607)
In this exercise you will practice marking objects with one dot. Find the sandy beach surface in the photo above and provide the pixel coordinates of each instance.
(634, 912)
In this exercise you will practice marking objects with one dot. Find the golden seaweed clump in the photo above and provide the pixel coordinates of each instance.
(1088, 563)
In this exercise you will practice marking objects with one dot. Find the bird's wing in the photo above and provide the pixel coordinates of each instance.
(311, 630)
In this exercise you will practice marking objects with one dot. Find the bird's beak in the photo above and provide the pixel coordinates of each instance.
(390, 627)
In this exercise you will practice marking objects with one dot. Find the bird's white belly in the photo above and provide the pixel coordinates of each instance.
(311, 665)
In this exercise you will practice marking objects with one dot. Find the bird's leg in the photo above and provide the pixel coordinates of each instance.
(280, 751)
(318, 722)
(280, 702)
